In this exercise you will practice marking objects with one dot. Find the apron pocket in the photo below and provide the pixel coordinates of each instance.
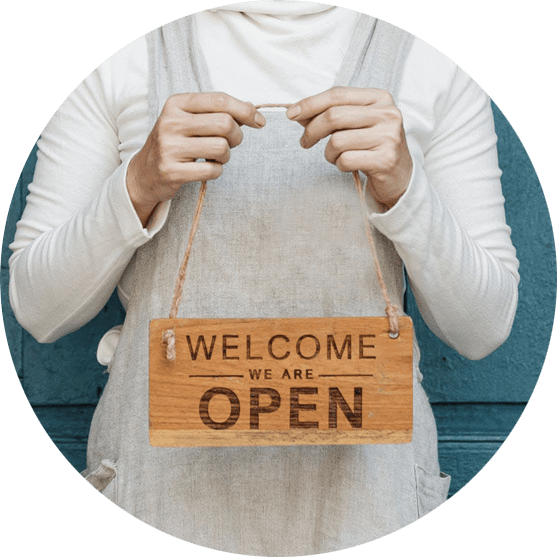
(432, 490)
(103, 478)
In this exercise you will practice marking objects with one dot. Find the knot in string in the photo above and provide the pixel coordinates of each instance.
(169, 338)
(392, 314)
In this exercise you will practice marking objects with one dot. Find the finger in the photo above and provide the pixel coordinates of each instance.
(202, 171)
(177, 149)
(210, 148)
(312, 106)
(204, 103)
(339, 118)
(378, 161)
(351, 140)
(214, 125)
(183, 172)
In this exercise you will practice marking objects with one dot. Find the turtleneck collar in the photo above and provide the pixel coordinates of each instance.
(276, 7)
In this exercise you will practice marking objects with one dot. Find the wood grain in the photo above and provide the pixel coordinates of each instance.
(280, 382)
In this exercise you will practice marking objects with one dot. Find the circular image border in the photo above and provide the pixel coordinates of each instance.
(52, 506)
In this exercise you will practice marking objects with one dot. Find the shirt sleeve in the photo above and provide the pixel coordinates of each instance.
(79, 229)
(449, 227)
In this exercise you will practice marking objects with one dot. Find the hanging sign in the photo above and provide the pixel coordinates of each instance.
(307, 381)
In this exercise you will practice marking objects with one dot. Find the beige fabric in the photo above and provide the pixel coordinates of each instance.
(280, 238)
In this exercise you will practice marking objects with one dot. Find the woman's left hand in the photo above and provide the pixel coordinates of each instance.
(366, 134)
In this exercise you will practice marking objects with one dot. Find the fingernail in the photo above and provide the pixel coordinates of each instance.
(260, 119)
(293, 111)
(304, 141)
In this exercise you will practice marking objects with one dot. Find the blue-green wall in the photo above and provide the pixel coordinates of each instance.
(476, 403)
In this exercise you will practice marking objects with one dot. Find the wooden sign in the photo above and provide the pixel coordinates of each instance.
(308, 381)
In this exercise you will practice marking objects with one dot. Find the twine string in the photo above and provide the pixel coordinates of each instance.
(391, 310)
(169, 337)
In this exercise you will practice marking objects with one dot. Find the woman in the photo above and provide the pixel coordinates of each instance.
(107, 208)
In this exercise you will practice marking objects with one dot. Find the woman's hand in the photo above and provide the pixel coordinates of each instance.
(191, 126)
(366, 133)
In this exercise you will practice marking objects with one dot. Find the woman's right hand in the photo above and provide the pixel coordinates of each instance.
(191, 126)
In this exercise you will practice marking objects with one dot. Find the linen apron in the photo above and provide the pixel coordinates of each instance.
(281, 235)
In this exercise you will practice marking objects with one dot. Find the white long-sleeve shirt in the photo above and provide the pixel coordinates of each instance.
(79, 229)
